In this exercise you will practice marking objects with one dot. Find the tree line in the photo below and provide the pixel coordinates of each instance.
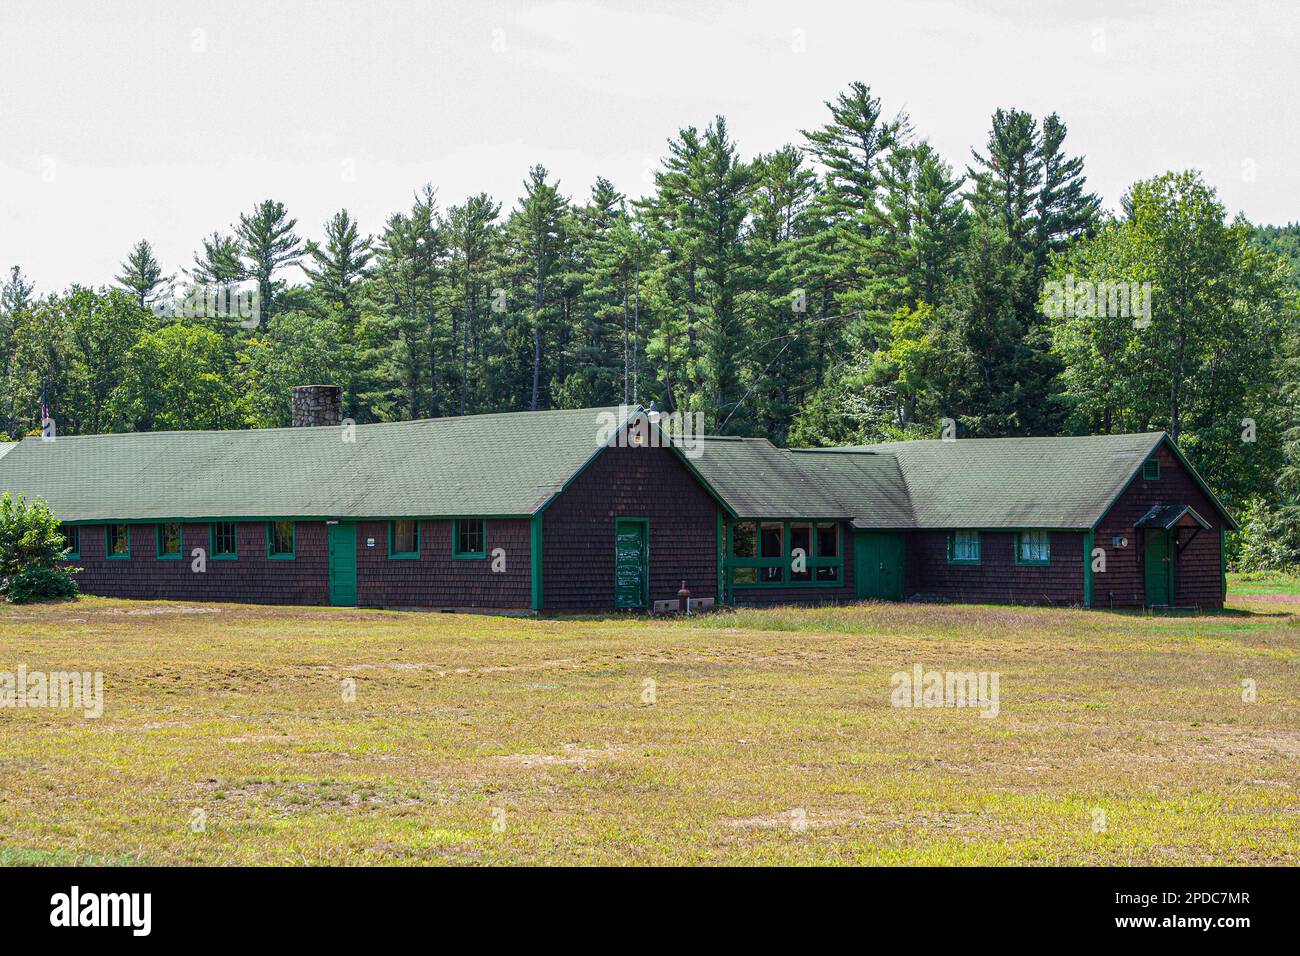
(849, 287)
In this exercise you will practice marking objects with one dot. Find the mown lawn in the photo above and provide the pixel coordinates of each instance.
(769, 738)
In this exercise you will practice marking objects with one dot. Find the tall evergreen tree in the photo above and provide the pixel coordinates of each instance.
(341, 264)
(16, 292)
(141, 275)
(853, 149)
(701, 213)
(472, 233)
(537, 232)
(267, 245)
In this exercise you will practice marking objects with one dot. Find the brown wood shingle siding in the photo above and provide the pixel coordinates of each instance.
(997, 579)
(252, 577)
(578, 529)
(1198, 574)
(437, 579)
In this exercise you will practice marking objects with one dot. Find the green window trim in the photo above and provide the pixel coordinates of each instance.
(952, 548)
(161, 553)
(782, 563)
(274, 555)
(1037, 562)
(456, 551)
(392, 537)
(71, 553)
(109, 553)
(1151, 469)
(212, 542)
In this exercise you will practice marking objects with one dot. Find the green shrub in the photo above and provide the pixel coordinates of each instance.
(31, 552)
(41, 584)
(1269, 539)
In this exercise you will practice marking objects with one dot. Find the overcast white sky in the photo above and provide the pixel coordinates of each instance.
(166, 119)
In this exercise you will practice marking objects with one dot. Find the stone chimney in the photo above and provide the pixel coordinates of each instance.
(317, 405)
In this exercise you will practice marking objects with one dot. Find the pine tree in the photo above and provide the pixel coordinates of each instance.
(853, 149)
(16, 293)
(403, 331)
(341, 264)
(1006, 180)
(218, 263)
(785, 346)
(537, 233)
(141, 274)
(267, 244)
(599, 280)
(699, 214)
(1063, 210)
(472, 237)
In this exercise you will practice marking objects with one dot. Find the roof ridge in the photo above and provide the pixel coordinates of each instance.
(311, 429)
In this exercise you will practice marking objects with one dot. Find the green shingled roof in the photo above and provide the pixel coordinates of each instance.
(512, 464)
(505, 464)
(1017, 482)
(6, 447)
(758, 480)
(989, 483)
(867, 486)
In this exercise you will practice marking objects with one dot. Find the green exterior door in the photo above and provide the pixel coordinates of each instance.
(631, 562)
(343, 564)
(878, 565)
(1158, 569)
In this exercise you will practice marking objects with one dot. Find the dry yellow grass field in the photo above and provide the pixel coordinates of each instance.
(741, 738)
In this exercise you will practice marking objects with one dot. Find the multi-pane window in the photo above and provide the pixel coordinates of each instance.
(744, 544)
(1151, 469)
(71, 540)
(403, 539)
(771, 544)
(828, 546)
(784, 553)
(224, 542)
(800, 552)
(279, 539)
(469, 536)
(117, 541)
(964, 547)
(169, 540)
(744, 540)
(1032, 547)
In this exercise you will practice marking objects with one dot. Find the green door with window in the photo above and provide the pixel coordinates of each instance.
(631, 562)
(1158, 568)
(878, 565)
(343, 564)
